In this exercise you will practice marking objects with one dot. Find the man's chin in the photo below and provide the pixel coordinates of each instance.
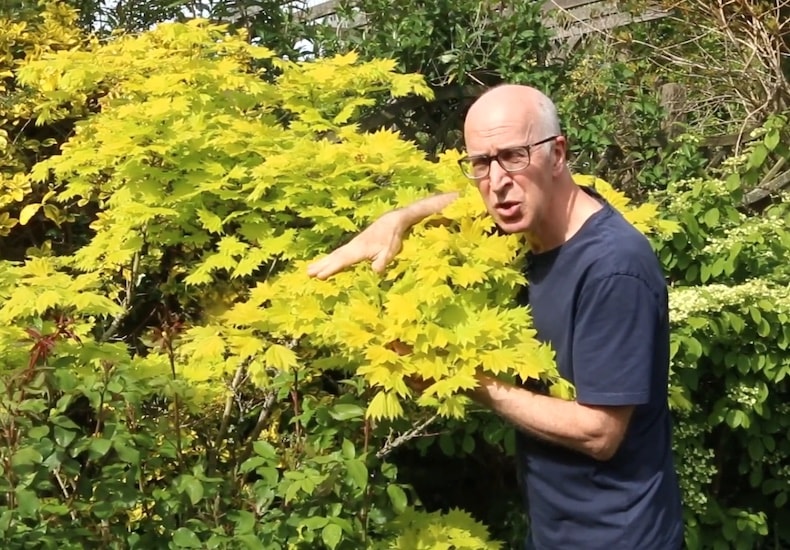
(512, 226)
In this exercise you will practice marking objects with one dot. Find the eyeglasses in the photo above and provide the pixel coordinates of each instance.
(512, 159)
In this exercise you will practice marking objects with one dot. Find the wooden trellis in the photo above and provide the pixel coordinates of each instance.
(570, 19)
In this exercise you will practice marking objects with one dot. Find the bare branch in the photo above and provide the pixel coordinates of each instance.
(393, 443)
(126, 304)
(213, 453)
(263, 418)
(65, 491)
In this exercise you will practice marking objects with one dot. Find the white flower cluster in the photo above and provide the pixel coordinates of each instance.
(696, 469)
(752, 230)
(687, 301)
(778, 459)
(734, 163)
(745, 395)
(683, 201)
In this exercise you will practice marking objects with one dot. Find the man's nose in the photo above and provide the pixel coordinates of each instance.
(498, 176)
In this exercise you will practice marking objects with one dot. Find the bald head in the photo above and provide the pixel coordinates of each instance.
(519, 104)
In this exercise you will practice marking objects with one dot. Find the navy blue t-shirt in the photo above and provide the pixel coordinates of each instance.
(600, 300)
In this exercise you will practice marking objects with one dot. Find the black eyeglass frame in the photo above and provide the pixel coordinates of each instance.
(488, 158)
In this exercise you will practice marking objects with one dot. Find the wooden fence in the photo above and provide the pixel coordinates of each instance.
(570, 19)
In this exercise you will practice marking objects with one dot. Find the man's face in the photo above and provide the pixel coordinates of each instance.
(518, 201)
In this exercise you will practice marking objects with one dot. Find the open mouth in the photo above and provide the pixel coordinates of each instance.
(508, 209)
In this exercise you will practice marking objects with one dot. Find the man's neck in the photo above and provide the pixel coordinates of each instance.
(569, 209)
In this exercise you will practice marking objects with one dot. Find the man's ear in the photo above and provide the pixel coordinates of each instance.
(559, 153)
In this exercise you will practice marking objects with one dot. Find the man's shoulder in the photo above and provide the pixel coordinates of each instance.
(613, 246)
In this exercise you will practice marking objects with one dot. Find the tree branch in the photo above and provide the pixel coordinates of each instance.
(213, 454)
(391, 444)
(131, 284)
(263, 417)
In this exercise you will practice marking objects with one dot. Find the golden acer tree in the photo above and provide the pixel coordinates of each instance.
(241, 179)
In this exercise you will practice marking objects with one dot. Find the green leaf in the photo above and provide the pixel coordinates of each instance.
(26, 456)
(315, 523)
(763, 328)
(265, 449)
(64, 437)
(346, 411)
(693, 348)
(397, 497)
(358, 473)
(244, 520)
(292, 490)
(185, 538)
(27, 502)
(732, 182)
(756, 450)
(252, 463)
(347, 449)
(712, 217)
(38, 432)
(99, 447)
(737, 322)
(447, 444)
(64, 422)
(127, 454)
(772, 139)
(194, 488)
(248, 542)
(331, 535)
(468, 445)
(758, 156)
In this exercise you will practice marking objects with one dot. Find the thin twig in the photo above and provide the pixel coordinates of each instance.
(213, 453)
(391, 444)
(263, 417)
(65, 491)
(131, 283)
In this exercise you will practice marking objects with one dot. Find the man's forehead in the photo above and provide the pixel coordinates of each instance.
(495, 139)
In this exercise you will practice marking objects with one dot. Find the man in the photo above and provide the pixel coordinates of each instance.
(598, 471)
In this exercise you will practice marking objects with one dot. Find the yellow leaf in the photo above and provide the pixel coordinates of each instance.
(46, 300)
(363, 312)
(562, 389)
(280, 357)
(467, 275)
(246, 346)
(28, 212)
(498, 360)
(245, 314)
(379, 355)
(452, 407)
(210, 221)
(384, 405)
(352, 334)
(402, 310)
(211, 346)
(377, 408)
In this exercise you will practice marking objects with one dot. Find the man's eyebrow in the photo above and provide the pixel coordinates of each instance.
(498, 150)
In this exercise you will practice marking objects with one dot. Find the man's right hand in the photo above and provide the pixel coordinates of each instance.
(382, 240)
(379, 243)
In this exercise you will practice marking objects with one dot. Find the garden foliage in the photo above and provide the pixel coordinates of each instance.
(172, 378)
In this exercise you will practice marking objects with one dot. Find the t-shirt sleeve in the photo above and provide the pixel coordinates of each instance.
(614, 341)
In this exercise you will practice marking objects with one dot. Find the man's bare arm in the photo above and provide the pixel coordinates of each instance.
(592, 430)
(382, 240)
